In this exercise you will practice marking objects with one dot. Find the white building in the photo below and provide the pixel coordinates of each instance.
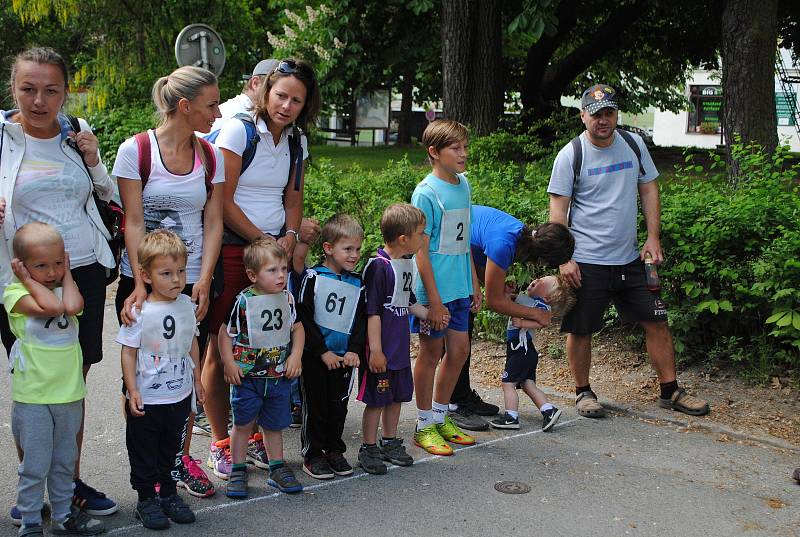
(701, 125)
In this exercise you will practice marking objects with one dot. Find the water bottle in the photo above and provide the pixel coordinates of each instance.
(651, 273)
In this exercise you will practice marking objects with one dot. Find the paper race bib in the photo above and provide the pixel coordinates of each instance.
(335, 304)
(403, 281)
(269, 320)
(454, 232)
(167, 329)
(58, 331)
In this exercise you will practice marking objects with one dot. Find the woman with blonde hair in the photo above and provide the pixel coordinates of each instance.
(170, 179)
(50, 165)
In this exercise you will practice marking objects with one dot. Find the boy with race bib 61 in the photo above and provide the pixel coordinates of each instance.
(331, 307)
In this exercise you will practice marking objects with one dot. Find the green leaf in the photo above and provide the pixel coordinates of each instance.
(796, 320)
(786, 320)
(726, 305)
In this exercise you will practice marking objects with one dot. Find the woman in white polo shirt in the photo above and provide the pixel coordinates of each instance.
(265, 199)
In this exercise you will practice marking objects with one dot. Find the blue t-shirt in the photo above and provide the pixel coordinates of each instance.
(494, 234)
(605, 207)
(447, 209)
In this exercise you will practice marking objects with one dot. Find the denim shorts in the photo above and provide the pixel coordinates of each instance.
(264, 399)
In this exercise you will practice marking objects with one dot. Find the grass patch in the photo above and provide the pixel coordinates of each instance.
(368, 158)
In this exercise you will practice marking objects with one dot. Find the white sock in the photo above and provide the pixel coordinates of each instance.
(439, 412)
(545, 407)
(452, 407)
(513, 413)
(424, 418)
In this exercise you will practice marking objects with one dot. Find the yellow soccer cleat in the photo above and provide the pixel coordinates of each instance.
(429, 439)
(450, 432)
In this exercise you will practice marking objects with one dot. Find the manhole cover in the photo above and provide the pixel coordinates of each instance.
(511, 487)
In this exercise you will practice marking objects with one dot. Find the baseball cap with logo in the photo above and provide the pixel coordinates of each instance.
(598, 97)
(264, 67)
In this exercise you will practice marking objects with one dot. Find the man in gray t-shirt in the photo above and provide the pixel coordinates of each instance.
(600, 206)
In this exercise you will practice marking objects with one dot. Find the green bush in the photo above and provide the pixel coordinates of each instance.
(114, 125)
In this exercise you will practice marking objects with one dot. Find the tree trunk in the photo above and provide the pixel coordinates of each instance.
(456, 49)
(406, 115)
(487, 67)
(749, 43)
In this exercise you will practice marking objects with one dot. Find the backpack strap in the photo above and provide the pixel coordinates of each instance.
(145, 165)
(634, 147)
(251, 133)
(296, 157)
(577, 162)
(211, 165)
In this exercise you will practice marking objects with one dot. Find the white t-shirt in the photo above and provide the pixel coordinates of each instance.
(170, 201)
(52, 188)
(162, 333)
(260, 190)
(241, 104)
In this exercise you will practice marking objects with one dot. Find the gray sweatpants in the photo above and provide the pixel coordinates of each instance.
(46, 434)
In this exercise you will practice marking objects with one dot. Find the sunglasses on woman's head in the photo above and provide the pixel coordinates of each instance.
(286, 67)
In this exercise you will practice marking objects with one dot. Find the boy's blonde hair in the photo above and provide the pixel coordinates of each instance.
(34, 233)
(340, 226)
(160, 242)
(562, 297)
(441, 133)
(262, 250)
(400, 219)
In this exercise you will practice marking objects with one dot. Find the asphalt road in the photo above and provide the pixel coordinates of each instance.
(615, 476)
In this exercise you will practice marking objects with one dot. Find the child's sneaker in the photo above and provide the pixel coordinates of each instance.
(92, 501)
(151, 514)
(297, 417)
(219, 458)
(77, 523)
(177, 510)
(451, 433)
(550, 418)
(429, 439)
(283, 479)
(193, 478)
(16, 516)
(256, 452)
(394, 452)
(505, 422)
(236, 487)
(318, 468)
(31, 531)
(339, 464)
(371, 460)
(201, 425)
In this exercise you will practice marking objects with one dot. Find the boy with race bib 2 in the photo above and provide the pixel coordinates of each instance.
(160, 355)
(385, 378)
(448, 284)
(261, 350)
(331, 307)
(47, 387)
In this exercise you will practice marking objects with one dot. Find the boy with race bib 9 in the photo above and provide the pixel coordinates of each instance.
(159, 358)
(261, 350)
(385, 378)
(47, 386)
(448, 284)
(331, 307)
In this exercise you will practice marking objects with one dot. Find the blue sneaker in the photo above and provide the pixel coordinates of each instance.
(16, 516)
(91, 501)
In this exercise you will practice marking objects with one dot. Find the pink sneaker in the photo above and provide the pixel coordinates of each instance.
(193, 478)
(219, 458)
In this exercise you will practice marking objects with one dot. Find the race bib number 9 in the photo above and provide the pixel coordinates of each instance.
(167, 331)
(335, 304)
